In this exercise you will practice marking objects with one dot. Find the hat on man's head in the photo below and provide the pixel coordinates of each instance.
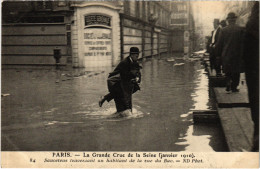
(216, 21)
(134, 50)
(223, 23)
(231, 15)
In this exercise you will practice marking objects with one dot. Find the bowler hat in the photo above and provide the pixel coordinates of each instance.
(223, 23)
(216, 21)
(231, 15)
(134, 50)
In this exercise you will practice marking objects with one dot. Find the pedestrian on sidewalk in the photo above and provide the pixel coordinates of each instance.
(230, 48)
(219, 65)
(123, 82)
(212, 46)
(251, 57)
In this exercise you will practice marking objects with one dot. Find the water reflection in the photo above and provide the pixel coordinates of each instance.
(208, 135)
(42, 114)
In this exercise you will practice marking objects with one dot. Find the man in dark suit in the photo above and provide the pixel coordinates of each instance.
(214, 38)
(230, 48)
(123, 82)
(222, 25)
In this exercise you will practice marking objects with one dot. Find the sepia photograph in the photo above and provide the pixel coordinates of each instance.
(130, 76)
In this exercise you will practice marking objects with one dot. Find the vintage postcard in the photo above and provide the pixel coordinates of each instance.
(130, 84)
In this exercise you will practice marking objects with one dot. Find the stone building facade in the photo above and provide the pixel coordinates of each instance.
(31, 30)
(145, 24)
(182, 23)
(89, 33)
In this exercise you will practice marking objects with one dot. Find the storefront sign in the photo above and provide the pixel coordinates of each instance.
(97, 46)
(97, 20)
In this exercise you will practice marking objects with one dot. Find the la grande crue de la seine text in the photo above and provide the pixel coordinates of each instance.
(118, 155)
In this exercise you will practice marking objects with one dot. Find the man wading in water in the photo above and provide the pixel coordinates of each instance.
(123, 82)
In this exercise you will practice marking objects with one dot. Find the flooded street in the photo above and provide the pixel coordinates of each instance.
(42, 115)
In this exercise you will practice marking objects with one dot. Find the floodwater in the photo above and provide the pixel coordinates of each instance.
(40, 114)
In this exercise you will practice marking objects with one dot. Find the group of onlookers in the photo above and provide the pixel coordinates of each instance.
(234, 50)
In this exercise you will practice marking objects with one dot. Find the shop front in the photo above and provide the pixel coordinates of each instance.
(95, 35)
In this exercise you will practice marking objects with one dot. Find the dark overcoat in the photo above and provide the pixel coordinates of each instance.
(230, 47)
(121, 84)
(212, 50)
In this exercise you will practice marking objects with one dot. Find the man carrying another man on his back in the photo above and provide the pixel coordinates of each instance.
(123, 82)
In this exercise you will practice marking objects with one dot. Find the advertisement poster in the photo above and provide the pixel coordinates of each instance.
(98, 47)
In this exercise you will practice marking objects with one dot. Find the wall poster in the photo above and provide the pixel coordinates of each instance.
(97, 41)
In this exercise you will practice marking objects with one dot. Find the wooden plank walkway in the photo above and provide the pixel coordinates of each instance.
(235, 117)
(238, 128)
(233, 111)
(229, 100)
